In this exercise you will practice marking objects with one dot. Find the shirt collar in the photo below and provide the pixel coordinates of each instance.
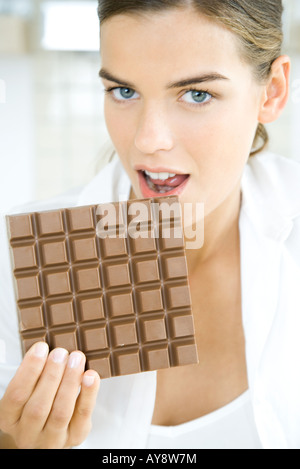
(111, 184)
(271, 194)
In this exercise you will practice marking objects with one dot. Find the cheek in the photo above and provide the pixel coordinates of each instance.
(121, 131)
(118, 126)
(219, 142)
(221, 138)
(225, 123)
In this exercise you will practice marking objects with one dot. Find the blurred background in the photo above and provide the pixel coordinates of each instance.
(52, 130)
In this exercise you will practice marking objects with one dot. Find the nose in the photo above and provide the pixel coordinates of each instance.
(154, 132)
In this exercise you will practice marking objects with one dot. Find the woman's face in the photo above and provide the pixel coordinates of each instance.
(181, 101)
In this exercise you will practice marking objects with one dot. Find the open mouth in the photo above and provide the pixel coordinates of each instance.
(155, 184)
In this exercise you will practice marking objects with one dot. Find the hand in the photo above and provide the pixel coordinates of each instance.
(41, 407)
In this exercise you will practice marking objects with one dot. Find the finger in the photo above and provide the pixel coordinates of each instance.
(65, 400)
(80, 424)
(22, 385)
(37, 409)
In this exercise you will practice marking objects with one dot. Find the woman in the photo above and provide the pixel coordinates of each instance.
(189, 86)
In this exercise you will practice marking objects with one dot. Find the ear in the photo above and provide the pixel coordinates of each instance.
(276, 91)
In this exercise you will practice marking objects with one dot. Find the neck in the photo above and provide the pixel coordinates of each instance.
(221, 232)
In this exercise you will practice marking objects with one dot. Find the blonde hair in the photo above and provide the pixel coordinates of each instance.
(256, 23)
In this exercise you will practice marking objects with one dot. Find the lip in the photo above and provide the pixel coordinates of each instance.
(159, 169)
(148, 193)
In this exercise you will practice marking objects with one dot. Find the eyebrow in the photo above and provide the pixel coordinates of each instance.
(213, 76)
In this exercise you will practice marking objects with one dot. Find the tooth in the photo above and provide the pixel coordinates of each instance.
(163, 176)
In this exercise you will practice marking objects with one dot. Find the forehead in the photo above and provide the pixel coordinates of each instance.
(170, 41)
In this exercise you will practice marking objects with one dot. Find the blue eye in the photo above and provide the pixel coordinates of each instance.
(197, 97)
(123, 94)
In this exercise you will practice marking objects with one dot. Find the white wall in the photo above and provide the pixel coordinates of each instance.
(70, 128)
(17, 158)
(285, 132)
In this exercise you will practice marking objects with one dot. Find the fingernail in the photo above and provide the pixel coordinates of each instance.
(74, 360)
(40, 350)
(88, 380)
(59, 355)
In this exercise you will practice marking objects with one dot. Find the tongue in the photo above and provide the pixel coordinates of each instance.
(171, 182)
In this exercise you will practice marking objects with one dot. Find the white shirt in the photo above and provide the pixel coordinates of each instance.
(230, 427)
(270, 276)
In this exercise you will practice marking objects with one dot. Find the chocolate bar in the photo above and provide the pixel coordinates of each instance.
(110, 280)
